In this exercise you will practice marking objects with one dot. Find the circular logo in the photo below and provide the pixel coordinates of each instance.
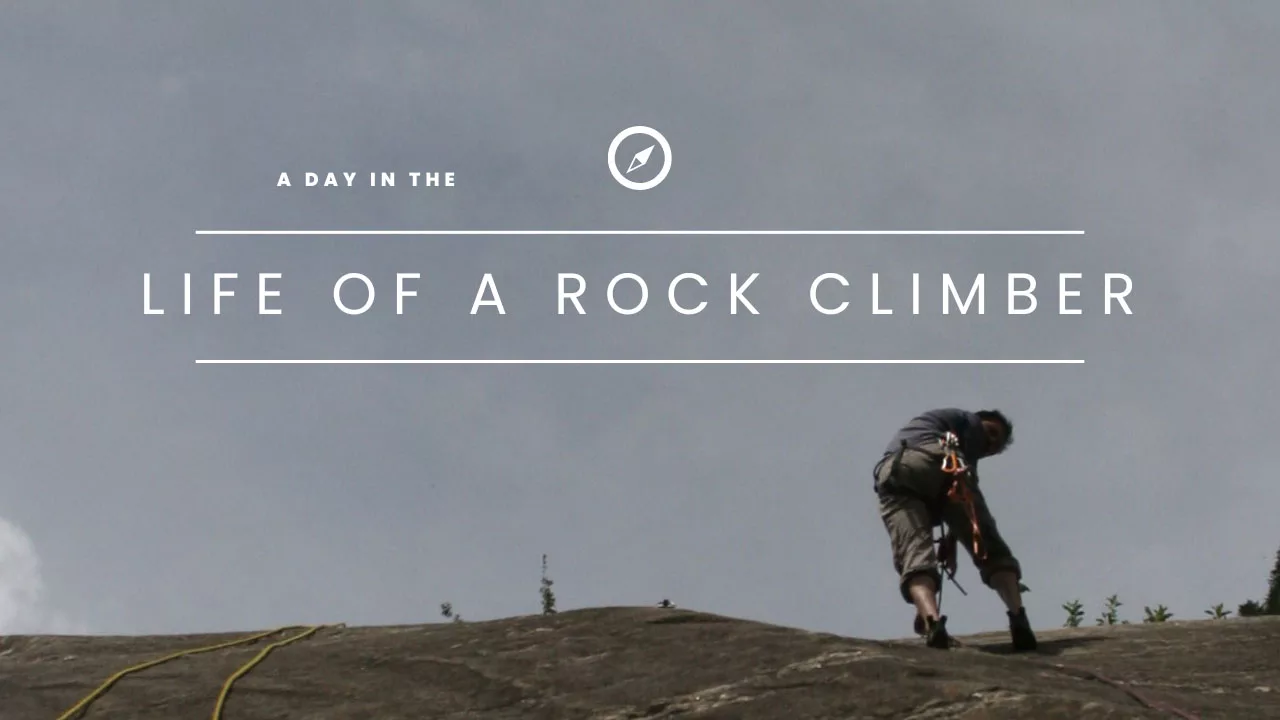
(640, 159)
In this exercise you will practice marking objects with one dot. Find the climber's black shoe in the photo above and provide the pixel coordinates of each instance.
(935, 634)
(1024, 640)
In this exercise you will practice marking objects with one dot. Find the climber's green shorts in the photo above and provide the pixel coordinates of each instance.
(914, 503)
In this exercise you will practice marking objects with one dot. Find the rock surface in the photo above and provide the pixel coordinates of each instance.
(632, 663)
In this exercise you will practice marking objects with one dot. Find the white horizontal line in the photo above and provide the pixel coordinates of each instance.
(558, 361)
(552, 233)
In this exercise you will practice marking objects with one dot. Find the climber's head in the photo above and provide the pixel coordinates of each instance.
(998, 429)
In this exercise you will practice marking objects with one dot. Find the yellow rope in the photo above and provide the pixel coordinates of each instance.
(226, 687)
(84, 703)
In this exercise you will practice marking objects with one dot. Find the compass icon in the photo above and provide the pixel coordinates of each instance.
(641, 158)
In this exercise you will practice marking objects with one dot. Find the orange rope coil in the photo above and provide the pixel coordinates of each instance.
(959, 492)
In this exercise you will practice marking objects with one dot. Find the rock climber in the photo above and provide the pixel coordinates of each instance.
(928, 477)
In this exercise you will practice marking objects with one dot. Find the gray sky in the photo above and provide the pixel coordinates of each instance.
(141, 492)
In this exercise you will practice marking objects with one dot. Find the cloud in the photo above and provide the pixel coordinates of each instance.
(22, 606)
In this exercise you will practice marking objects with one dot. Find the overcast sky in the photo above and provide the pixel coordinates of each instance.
(141, 492)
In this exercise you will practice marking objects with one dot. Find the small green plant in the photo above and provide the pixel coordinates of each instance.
(1159, 615)
(1250, 608)
(1217, 612)
(1075, 613)
(548, 597)
(446, 609)
(1110, 614)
